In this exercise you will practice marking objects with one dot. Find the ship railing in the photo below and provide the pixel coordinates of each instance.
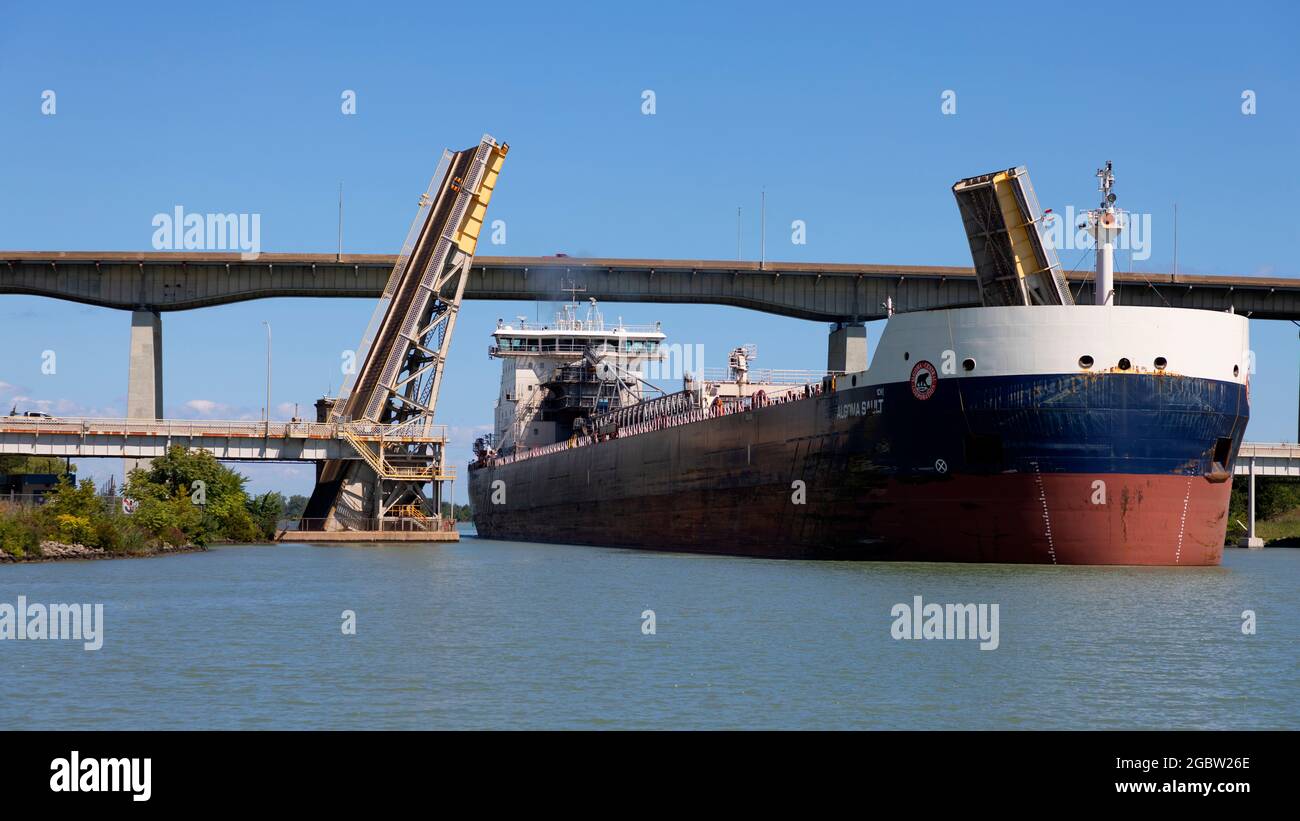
(722, 406)
(588, 325)
(769, 376)
(548, 347)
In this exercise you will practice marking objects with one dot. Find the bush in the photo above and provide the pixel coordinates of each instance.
(111, 533)
(19, 535)
(190, 492)
(80, 500)
(173, 537)
(75, 530)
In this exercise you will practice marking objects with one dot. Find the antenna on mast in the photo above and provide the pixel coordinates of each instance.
(1106, 222)
(1175, 239)
(574, 290)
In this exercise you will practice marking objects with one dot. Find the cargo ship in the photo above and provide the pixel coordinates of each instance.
(1029, 429)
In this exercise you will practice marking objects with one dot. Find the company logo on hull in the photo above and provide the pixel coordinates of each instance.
(924, 380)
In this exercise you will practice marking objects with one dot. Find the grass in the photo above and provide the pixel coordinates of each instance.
(1282, 530)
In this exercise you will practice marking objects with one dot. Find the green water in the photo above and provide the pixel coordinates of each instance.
(499, 634)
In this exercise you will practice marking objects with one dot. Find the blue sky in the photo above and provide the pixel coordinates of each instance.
(834, 109)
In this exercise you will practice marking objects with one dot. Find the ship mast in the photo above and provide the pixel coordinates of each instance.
(1105, 222)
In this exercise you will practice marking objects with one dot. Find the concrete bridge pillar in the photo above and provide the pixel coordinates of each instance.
(1251, 540)
(144, 387)
(847, 351)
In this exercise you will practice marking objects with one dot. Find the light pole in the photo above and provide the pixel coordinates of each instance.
(268, 377)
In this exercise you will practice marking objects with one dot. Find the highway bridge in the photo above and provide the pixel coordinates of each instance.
(149, 283)
(829, 292)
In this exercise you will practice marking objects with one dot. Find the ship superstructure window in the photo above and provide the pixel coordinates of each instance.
(968, 364)
(1161, 363)
(1085, 362)
(1236, 371)
(1124, 364)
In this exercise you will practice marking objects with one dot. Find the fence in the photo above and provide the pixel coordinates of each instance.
(415, 430)
(388, 524)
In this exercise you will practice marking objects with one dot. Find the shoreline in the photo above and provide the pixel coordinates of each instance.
(61, 552)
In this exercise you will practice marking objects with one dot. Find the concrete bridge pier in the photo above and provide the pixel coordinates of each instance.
(144, 386)
(847, 350)
(1250, 539)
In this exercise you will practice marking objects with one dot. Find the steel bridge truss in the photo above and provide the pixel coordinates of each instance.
(404, 349)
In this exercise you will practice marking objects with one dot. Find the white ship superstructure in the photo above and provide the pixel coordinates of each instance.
(573, 366)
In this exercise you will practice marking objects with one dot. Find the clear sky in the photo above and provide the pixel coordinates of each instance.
(835, 109)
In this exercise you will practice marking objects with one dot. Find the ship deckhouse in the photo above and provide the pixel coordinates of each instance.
(554, 373)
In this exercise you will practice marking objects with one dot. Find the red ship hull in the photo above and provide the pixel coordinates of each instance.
(1124, 476)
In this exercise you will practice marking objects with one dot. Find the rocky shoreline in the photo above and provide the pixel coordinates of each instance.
(59, 552)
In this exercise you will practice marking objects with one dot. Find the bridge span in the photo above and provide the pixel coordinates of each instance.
(149, 283)
(230, 441)
(829, 292)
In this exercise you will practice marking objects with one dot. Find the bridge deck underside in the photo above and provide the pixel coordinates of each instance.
(168, 281)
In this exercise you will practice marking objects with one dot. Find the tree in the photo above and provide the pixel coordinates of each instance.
(293, 509)
(266, 511)
(191, 493)
(17, 465)
(74, 500)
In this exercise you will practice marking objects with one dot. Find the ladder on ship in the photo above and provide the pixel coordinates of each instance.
(402, 355)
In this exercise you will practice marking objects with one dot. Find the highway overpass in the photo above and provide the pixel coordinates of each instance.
(148, 283)
(828, 292)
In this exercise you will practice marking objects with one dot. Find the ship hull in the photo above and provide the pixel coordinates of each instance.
(1101, 467)
(965, 520)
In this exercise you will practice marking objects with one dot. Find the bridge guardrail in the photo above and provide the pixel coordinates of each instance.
(387, 524)
(192, 428)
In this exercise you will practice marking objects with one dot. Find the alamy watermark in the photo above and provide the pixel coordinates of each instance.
(1069, 232)
(673, 361)
(179, 231)
(946, 621)
(53, 622)
(77, 774)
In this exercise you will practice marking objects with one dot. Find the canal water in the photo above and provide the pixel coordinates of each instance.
(487, 634)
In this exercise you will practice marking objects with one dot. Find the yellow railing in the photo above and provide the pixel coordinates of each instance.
(384, 470)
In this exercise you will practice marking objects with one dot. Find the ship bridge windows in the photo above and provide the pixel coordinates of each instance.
(515, 343)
